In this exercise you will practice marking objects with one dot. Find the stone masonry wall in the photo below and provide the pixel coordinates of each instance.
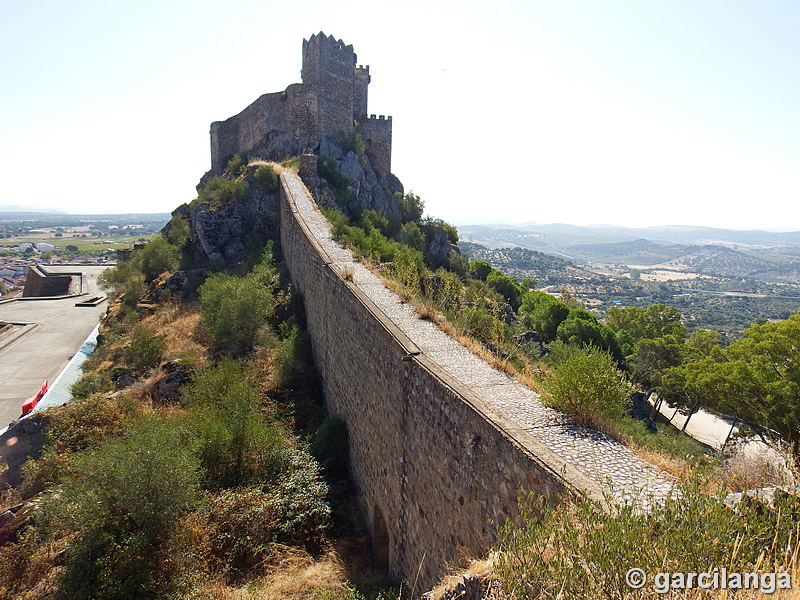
(377, 135)
(434, 464)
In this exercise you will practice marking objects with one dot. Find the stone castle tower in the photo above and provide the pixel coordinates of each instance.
(330, 103)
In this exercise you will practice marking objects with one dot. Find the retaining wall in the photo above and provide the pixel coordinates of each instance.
(434, 465)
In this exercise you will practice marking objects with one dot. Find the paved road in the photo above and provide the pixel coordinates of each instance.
(713, 431)
(38, 349)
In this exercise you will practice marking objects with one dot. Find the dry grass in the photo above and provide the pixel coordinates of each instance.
(292, 574)
(482, 568)
(277, 167)
(179, 327)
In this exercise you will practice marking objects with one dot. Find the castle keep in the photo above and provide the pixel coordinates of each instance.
(330, 103)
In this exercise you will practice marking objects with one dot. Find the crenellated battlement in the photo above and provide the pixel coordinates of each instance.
(330, 101)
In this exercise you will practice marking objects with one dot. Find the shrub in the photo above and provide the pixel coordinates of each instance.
(145, 350)
(125, 280)
(236, 164)
(236, 445)
(586, 384)
(267, 177)
(234, 310)
(177, 231)
(299, 500)
(158, 256)
(339, 184)
(92, 383)
(124, 501)
(331, 448)
(411, 206)
(411, 236)
(247, 523)
(219, 191)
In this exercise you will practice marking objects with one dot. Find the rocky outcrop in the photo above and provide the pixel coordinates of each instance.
(368, 188)
(224, 235)
(22, 440)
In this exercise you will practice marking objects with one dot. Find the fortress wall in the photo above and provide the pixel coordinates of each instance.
(433, 465)
(266, 114)
(41, 284)
(224, 140)
(361, 92)
(377, 136)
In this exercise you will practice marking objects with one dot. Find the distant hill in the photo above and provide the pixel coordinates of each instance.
(556, 233)
(523, 262)
(727, 252)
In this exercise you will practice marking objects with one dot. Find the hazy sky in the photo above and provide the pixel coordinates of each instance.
(628, 112)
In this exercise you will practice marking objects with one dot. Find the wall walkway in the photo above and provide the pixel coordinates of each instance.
(441, 442)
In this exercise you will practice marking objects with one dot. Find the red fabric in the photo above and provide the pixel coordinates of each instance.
(31, 402)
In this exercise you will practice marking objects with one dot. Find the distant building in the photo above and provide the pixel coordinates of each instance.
(45, 247)
(40, 283)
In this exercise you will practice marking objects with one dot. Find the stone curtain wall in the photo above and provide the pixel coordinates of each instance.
(434, 465)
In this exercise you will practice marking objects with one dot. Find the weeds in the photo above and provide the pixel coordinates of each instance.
(581, 550)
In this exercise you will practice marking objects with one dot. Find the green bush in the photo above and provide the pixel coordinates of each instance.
(299, 500)
(236, 445)
(247, 523)
(411, 236)
(157, 256)
(236, 164)
(124, 501)
(339, 184)
(411, 207)
(267, 177)
(219, 191)
(296, 379)
(234, 310)
(92, 383)
(126, 280)
(177, 231)
(586, 384)
(145, 350)
(331, 448)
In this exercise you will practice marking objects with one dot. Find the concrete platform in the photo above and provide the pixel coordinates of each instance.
(49, 333)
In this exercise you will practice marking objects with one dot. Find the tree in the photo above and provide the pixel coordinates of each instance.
(543, 313)
(581, 328)
(756, 378)
(506, 286)
(655, 321)
(411, 206)
(481, 268)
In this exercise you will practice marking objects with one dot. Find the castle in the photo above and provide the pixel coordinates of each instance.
(331, 103)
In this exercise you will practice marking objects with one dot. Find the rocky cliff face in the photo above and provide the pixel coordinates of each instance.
(368, 187)
(224, 234)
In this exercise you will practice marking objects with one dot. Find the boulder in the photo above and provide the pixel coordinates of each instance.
(22, 440)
